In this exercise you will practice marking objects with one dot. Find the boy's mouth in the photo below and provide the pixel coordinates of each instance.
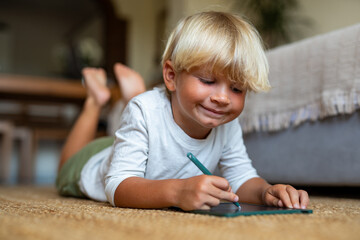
(213, 112)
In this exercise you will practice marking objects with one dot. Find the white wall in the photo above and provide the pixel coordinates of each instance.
(181, 8)
(329, 15)
(141, 16)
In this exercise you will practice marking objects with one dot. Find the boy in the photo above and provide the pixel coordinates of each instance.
(211, 60)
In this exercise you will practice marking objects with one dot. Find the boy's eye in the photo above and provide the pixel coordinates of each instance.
(206, 81)
(236, 90)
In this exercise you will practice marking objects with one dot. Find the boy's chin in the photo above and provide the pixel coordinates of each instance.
(212, 124)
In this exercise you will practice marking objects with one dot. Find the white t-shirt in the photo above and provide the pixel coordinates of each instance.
(149, 144)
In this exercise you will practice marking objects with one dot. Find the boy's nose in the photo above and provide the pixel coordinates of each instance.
(220, 98)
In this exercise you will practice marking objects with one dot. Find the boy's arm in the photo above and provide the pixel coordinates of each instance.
(200, 192)
(143, 193)
(252, 191)
(258, 191)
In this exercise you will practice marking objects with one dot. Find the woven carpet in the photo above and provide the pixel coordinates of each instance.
(40, 213)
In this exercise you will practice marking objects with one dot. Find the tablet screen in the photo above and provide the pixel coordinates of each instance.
(230, 210)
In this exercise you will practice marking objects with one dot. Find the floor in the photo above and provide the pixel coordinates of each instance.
(40, 213)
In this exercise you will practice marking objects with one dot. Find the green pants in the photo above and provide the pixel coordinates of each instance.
(69, 175)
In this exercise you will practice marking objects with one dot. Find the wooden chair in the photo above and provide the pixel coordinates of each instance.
(6, 133)
(26, 164)
(12, 135)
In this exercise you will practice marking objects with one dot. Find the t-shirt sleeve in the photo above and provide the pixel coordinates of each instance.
(130, 152)
(235, 164)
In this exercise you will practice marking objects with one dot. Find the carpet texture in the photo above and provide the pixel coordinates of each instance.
(40, 213)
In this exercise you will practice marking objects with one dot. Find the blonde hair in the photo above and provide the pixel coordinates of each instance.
(225, 42)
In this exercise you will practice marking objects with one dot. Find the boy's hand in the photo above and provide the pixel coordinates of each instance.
(203, 192)
(281, 195)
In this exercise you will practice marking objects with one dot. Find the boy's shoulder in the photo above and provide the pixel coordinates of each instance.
(154, 98)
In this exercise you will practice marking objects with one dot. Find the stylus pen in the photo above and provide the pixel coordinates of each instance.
(204, 169)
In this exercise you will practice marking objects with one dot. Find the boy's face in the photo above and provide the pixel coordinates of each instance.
(201, 101)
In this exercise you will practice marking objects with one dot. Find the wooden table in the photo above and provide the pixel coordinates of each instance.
(24, 127)
(43, 89)
(30, 90)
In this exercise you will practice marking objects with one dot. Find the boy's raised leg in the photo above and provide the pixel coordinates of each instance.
(84, 129)
(130, 82)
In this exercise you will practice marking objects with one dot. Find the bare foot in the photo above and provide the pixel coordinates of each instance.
(130, 82)
(95, 80)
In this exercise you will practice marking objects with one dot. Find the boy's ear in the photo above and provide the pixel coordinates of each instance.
(169, 75)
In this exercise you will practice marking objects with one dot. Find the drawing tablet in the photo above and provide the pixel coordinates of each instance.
(230, 210)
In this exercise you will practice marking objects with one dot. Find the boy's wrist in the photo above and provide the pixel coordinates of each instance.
(264, 191)
(174, 190)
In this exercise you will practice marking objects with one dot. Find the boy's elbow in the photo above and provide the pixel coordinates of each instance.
(125, 194)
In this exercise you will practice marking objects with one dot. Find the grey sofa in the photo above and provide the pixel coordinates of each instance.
(306, 131)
